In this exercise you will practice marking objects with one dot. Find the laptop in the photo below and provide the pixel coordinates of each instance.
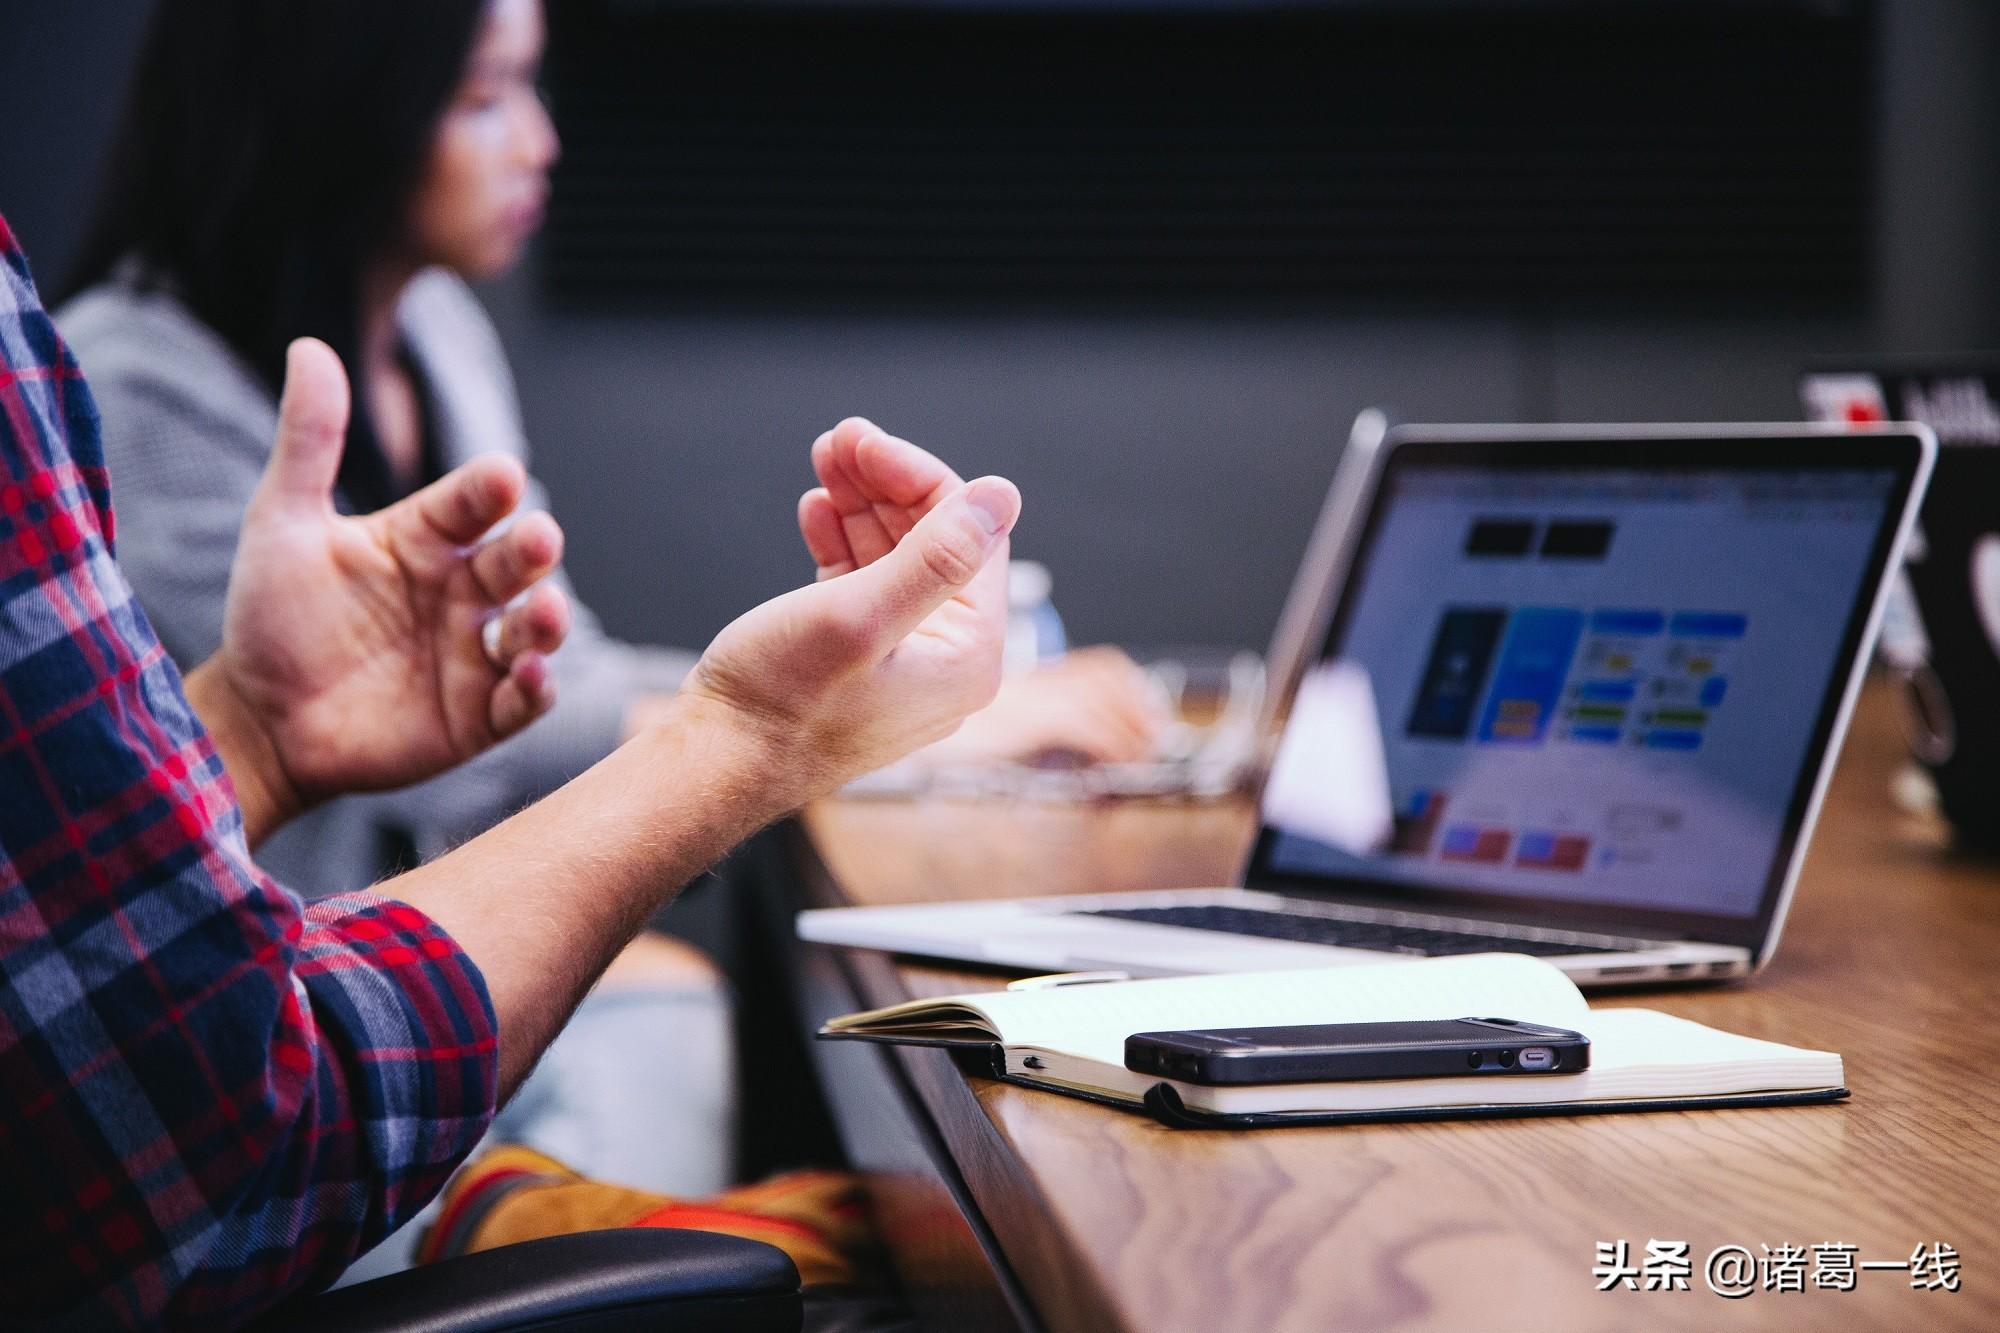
(1608, 668)
(1941, 631)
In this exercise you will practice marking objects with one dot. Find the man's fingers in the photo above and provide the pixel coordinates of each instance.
(515, 560)
(528, 691)
(826, 540)
(312, 426)
(899, 481)
(879, 467)
(940, 558)
(843, 488)
(538, 625)
(902, 473)
(879, 484)
(462, 505)
(861, 526)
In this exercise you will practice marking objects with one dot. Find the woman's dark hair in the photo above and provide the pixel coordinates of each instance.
(267, 154)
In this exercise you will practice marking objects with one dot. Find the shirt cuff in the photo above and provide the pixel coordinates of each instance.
(418, 1037)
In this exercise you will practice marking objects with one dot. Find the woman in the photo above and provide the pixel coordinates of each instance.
(342, 168)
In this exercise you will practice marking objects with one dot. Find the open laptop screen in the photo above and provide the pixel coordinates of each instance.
(1601, 686)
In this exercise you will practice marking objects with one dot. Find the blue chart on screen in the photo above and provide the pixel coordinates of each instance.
(1533, 663)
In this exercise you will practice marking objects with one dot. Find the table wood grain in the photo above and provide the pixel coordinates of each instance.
(1111, 1221)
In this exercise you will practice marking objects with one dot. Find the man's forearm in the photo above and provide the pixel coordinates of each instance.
(545, 900)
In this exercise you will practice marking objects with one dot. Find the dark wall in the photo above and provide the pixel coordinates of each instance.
(1172, 465)
(62, 75)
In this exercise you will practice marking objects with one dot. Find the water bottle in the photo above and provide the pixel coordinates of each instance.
(1034, 631)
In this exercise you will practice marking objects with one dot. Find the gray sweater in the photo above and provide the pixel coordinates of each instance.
(187, 430)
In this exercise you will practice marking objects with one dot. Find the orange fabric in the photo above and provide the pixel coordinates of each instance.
(816, 1217)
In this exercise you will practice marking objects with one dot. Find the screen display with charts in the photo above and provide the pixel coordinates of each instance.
(1599, 685)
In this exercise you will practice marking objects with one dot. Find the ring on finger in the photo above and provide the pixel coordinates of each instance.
(489, 640)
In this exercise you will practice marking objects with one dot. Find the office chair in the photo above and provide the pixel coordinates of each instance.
(657, 1279)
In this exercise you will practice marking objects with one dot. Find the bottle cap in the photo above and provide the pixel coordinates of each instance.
(1029, 584)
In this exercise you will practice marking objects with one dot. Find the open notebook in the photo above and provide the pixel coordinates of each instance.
(1072, 1039)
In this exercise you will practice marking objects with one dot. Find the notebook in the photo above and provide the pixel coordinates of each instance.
(1071, 1039)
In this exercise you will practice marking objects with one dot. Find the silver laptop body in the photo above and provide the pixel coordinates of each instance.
(1610, 670)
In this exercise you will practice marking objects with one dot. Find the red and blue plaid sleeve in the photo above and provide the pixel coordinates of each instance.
(211, 1095)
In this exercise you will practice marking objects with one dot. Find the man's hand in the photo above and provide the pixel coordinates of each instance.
(1094, 703)
(356, 652)
(900, 637)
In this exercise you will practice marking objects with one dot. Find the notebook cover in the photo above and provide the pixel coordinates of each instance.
(1164, 1104)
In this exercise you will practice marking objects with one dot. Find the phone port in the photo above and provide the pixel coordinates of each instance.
(1538, 1057)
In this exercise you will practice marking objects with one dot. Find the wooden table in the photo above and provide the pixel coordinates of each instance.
(1011, 1207)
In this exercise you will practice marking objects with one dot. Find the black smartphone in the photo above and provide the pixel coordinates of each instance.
(1333, 1052)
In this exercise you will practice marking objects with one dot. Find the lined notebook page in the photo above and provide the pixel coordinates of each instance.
(1093, 1021)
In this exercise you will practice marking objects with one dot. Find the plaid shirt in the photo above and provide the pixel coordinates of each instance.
(211, 1095)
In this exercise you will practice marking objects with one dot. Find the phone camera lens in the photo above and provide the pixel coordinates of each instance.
(1506, 1059)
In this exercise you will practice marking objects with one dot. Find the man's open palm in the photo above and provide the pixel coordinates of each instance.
(361, 643)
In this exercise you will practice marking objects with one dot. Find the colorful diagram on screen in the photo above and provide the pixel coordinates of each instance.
(1616, 655)
(1651, 679)
(1608, 677)
(1611, 676)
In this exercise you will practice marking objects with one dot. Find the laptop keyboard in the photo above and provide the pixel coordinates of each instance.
(1306, 929)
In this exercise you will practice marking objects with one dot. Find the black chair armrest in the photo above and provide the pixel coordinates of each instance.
(600, 1281)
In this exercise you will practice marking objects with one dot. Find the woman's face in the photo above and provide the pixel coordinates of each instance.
(487, 182)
